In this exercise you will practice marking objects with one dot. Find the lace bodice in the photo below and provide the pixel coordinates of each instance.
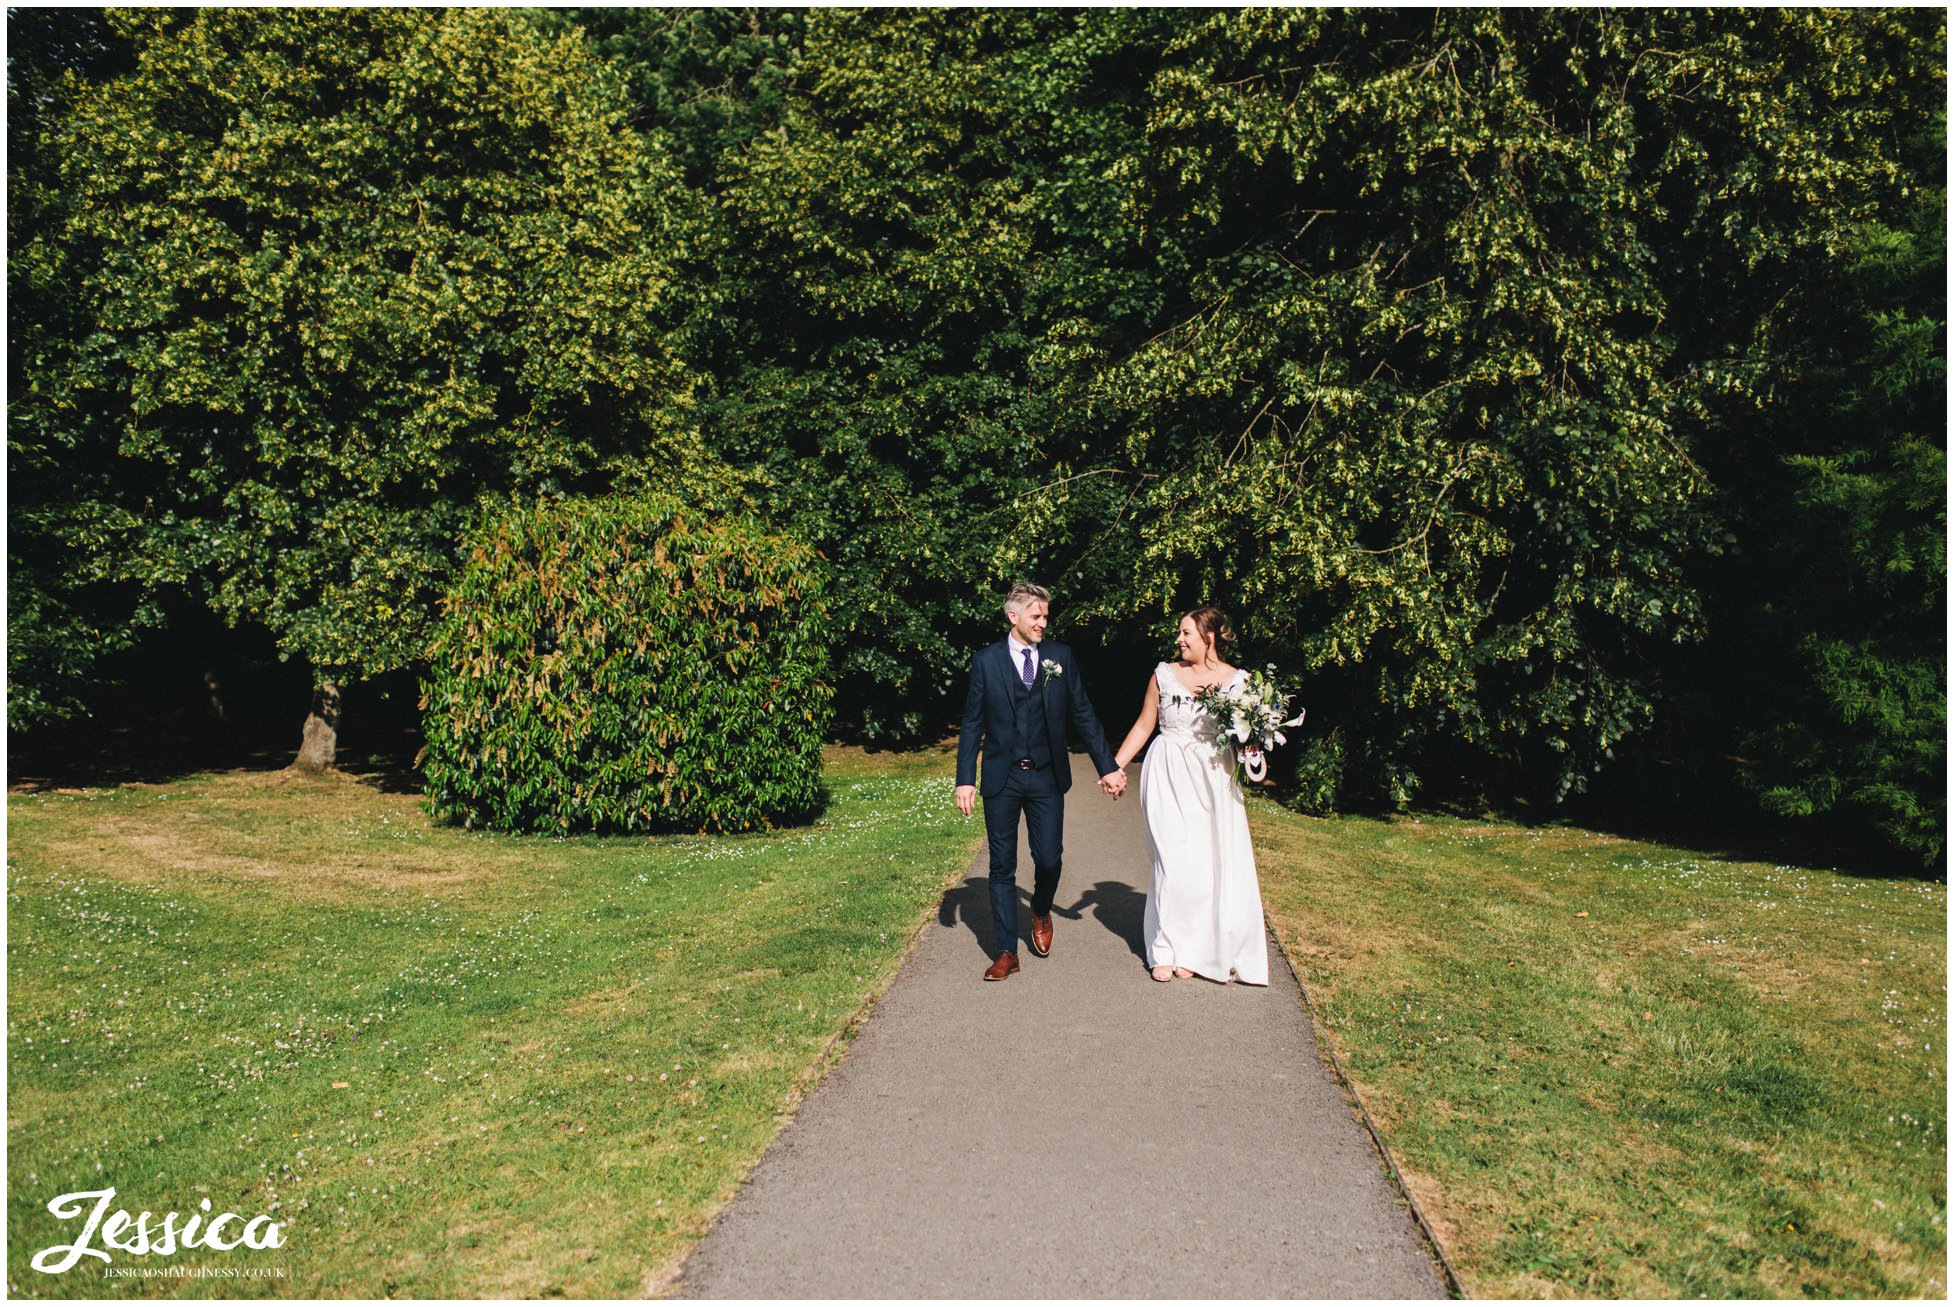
(1182, 716)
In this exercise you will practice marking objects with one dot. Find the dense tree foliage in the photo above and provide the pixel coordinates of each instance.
(1830, 645)
(899, 263)
(1447, 357)
(1420, 416)
(1537, 384)
(1418, 338)
(1822, 682)
(62, 629)
(708, 80)
(336, 276)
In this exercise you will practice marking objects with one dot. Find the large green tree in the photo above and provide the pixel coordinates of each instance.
(341, 277)
(1476, 297)
(1409, 335)
(935, 197)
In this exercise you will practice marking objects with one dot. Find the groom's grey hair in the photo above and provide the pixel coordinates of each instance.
(1025, 592)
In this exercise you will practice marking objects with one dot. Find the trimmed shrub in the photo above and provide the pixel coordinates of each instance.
(628, 664)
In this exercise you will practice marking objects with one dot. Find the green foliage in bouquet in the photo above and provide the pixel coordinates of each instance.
(628, 664)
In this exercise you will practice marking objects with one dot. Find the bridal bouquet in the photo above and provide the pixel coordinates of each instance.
(1251, 719)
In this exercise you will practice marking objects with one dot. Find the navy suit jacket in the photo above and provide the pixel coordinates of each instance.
(988, 712)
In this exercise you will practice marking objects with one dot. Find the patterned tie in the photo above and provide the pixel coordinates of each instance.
(1027, 669)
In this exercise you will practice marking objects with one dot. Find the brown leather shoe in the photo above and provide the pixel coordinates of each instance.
(1041, 935)
(1007, 962)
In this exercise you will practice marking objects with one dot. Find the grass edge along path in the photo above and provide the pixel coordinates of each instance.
(459, 1064)
(1607, 1068)
(660, 1279)
(1426, 1232)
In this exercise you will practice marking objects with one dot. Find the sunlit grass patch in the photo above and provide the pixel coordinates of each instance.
(1615, 1069)
(455, 1063)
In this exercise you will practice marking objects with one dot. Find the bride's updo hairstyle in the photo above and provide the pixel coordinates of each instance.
(1213, 623)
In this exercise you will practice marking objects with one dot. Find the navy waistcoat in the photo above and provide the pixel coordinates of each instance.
(1031, 739)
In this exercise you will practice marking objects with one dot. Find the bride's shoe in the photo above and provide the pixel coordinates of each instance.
(1182, 973)
(1164, 974)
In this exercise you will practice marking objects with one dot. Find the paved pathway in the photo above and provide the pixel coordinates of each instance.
(1077, 1131)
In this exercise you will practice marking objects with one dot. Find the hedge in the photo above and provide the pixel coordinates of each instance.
(628, 664)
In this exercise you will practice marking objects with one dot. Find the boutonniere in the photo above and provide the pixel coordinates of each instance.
(1052, 668)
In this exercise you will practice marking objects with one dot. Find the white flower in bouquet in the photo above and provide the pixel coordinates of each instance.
(1254, 719)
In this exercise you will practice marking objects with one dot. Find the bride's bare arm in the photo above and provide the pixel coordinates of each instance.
(1136, 739)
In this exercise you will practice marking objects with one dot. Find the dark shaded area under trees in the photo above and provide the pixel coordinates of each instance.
(1559, 394)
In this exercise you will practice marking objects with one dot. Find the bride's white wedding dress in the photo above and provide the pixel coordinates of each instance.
(1205, 911)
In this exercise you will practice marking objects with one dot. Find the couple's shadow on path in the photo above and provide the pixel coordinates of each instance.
(1118, 907)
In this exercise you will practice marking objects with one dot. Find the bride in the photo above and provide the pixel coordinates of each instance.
(1204, 916)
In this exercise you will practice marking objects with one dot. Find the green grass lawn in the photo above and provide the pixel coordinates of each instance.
(455, 1064)
(462, 1064)
(1615, 1069)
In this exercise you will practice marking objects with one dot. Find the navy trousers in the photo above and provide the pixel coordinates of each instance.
(1035, 795)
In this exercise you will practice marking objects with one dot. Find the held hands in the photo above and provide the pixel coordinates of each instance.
(1113, 783)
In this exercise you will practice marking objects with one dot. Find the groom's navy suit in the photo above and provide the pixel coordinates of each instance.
(1020, 732)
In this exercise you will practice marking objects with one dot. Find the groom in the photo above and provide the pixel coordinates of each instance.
(1023, 690)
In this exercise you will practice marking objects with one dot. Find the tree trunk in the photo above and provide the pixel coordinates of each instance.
(321, 740)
